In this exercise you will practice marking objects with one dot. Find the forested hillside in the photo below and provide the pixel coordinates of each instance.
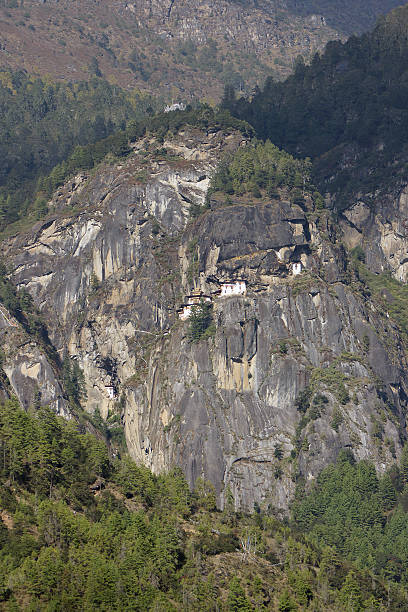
(41, 122)
(347, 111)
(250, 455)
(42, 128)
(362, 516)
(80, 530)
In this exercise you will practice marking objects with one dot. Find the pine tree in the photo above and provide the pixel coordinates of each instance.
(74, 381)
(350, 593)
(205, 494)
(387, 492)
(404, 464)
(286, 603)
(237, 601)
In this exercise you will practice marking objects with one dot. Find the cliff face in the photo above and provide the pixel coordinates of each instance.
(229, 407)
(382, 232)
(102, 252)
(298, 368)
(27, 371)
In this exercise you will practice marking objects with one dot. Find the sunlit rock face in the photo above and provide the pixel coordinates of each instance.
(381, 229)
(113, 263)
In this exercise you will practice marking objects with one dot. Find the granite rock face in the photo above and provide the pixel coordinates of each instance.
(100, 275)
(256, 25)
(229, 407)
(26, 370)
(382, 232)
(299, 367)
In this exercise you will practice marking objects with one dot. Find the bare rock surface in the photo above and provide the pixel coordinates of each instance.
(298, 368)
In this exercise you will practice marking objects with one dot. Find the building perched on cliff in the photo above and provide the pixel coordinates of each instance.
(233, 287)
(194, 299)
(110, 391)
(296, 268)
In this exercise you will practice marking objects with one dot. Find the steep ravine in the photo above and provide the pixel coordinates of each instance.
(112, 264)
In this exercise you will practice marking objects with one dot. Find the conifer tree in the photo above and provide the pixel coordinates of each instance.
(237, 600)
(350, 593)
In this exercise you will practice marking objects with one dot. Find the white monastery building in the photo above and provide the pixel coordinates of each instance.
(110, 391)
(234, 287)
(174, 107)
(227, 288)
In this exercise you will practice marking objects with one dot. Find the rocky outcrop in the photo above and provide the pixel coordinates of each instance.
(27, 370)
(299, 366)
(100, 274)
(256, 26)
(381, 230)
(226, 408)
(229, 408)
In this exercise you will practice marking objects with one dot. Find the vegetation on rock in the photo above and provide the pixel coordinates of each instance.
(389, 293)
(261, 169)
(20, 305)
(110, 120)
(201, 321)
(41, 123)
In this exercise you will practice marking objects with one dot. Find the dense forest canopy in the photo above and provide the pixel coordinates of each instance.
(347, 111)
(362, 516)
(80, 530)
(261, 169)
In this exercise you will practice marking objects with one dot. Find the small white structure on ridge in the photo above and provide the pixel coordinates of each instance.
(233, 287)
(296, 268)
(175, 107)
(110, 391)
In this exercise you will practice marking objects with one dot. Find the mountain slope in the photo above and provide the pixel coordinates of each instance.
(176, 48)
(347, 111)
(42, 122)
(347, 17)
